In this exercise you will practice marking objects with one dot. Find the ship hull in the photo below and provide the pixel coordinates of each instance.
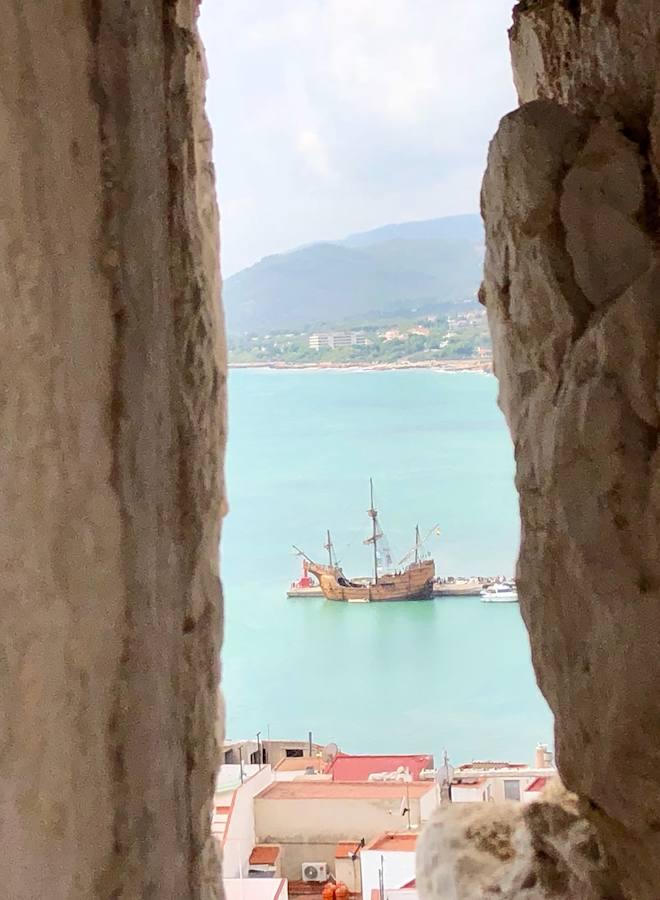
(414, 583)
(471, 588)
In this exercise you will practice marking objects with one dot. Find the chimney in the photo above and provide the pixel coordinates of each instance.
(540, 756)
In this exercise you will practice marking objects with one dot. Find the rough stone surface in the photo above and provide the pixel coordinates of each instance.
(595, 56)
(512, 852)
(572, 287)
(111, 411)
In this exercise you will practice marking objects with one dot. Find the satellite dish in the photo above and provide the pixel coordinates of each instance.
(330, 751)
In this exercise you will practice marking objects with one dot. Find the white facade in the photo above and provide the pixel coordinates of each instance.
(398, 869)
(255, 888)
(405, 894)
(238, 837)
(496, 784)
(470, 793)
(429, 802)
(308, 818)
(333, 340)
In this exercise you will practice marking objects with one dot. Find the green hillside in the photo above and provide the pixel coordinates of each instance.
(416, 266)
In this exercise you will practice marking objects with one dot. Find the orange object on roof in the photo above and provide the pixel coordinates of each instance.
(344, 767)
(264, 855)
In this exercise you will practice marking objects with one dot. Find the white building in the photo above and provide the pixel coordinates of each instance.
(310, 817)
(484, 782)
(255, 888)
(271, 750)
(232, 824)
(333, 340)
(390, 857)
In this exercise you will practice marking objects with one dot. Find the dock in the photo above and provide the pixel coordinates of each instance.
(447, 587)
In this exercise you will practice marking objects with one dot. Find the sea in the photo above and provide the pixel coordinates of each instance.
(450, 674)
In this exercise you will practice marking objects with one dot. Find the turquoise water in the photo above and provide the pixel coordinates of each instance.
(396, 677)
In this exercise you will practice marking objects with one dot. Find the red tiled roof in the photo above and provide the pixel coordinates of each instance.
(402, 842)
(346, 849)
(345, 767)
(264, 855)
(537, 785)
(344, 790)
(409, 885)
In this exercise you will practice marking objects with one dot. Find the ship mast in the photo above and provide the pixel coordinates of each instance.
(373, 515)
(416, 543)
(329, 548)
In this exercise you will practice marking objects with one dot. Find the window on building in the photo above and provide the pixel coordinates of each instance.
(291, 751)
(511, 789)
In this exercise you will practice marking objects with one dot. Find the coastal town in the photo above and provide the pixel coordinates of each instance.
(456, 342)
(301, 819)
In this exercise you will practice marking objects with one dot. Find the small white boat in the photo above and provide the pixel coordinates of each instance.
(500, 592)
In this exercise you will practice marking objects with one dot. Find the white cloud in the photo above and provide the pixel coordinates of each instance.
(349, 113)
(314, 153)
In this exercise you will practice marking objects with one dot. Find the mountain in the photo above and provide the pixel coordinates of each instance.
(393, 270)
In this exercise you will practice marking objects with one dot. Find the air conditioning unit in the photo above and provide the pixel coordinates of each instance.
(312, 871)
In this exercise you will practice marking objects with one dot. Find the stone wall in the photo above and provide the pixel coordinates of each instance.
(112, 421)
(572, 287)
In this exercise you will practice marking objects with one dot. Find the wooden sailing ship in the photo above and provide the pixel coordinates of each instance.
(413, 582)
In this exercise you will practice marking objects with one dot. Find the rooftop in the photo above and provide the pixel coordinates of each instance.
(403, 842)
(479, 765)
(347, 849)
(344, 790)
(300, 764)
(468, 782)
(264, 855)
(345, 767)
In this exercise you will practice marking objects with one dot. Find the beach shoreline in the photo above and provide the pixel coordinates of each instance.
(445, 365)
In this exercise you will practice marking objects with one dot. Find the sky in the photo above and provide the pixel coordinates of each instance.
(336, 116)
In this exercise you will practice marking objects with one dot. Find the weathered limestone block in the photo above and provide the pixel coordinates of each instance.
(571, 283)
(514, 852)
(588, 55)
(111, 413)
(602, 195)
